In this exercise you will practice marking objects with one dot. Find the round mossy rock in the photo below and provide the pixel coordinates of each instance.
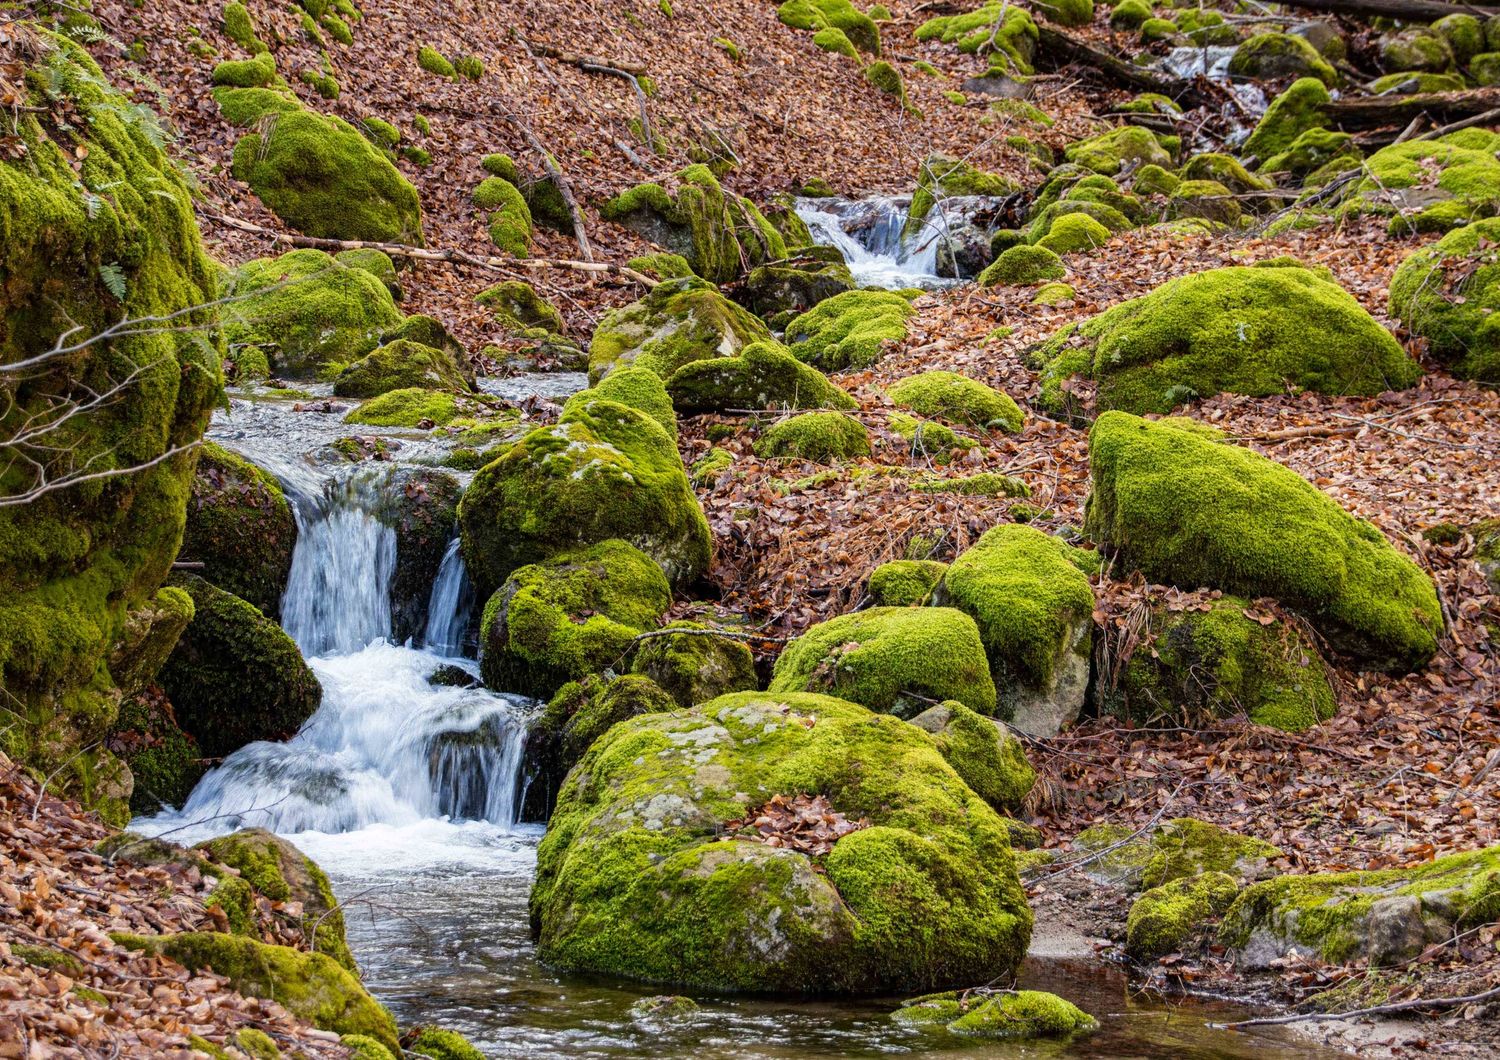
(678, 322)
(905, 582)
(1024, 264)
(958, 399)
(1007, 1015)
(763, 376)
(696, 664)
(1170, 917)
(822, 437)
(400, 365)
(849, 330)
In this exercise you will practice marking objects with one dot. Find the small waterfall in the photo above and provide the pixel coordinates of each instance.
(449, 607)
(869, 233)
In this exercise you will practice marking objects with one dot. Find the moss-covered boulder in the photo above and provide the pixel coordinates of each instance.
(1290, 114)
(1005, 33)
(283, 874)
(637, 388)
(569, 616)
(779, 291)
(1005, 1015)
(634, 881)
(603, 471)
(440, 1044)
(1311, 151)
(235, 676)
(97, 227)
(150, 632)
(1278, 56)
(894, 660)
(944, 177)
(318, 173)
(763, 376)
(719, 233)
(240, 527)
(678, 322)
(1201, 664)
(1429, 185)
(311, 985)
(1417, 48)
(959, 399)
(1186, 847)
(982, 751)
(1111, 151)
(818, 15)
(518, 307)
(1240, 329)
(1023, 264)
(1449, 293)
(165, 762)
(1384, 917)
(399, 365)
(905, 582)
(1030, 595)
(1171, 917)
(1186, 509)
(307, 311)
(849, 330)
(822, 437)
(696, 664)
(423, 510)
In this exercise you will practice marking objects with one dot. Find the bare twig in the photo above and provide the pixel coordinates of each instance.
(1414, 1005)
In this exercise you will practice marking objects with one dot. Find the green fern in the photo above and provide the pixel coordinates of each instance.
(113, 278)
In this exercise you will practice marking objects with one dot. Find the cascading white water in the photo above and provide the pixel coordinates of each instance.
(450, 604)
(870, 235)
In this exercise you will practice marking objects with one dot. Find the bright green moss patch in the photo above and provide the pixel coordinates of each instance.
(1157, 29)
(469, 66)
(1290, 114)
(957, 398)
(1239, 329)
(398, 365)
(1129, 14)
(1449, 293)
(678, 322)
(836, 41)
(408, 407)
(892, 660)
(696, 664)
(926, 440)
(1273, 56)
(1186, 847)
(240, 28)
(1110, 151)
(434, 62)
(818, 436)
(821, 15)
(240, 527)
(1024, 264)
(518, 307)
(1010, 47)
(1311, 151)
(982, 484)
(1170, 917)
(943, 176)
(569, 616)
(1399, 182)
(905, 582)
(638, 388)
(1415, 82)
(246, 73)
(1187, 510)
(1074, 232)
(849, 330)
(1053, 294)
(1225, 170)
(1007, 1015)
(633, 881)
(988, 758)
(708, 467)
(763, 376)
(510, 216)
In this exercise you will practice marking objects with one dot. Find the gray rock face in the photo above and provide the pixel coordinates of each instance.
(1046, 712)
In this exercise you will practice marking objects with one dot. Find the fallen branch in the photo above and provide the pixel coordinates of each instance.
(1415, 1005)
(1407, 10)
(582, 61)
(730, 634)
(558, 178)
(460, 257)
(1078, 863)
(1061, 50)
(1478, 104)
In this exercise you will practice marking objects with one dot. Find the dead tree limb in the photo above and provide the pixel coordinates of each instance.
(556, 175)
(1415, 1005)
(1409, 10)
(1473, 106)
(584, 61)
(1058, 49)
(640, 97)
(460, 257)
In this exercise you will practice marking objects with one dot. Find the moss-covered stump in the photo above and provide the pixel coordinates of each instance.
(718, 232)
(240, 527)
(398, 365)
(1030, 595)
(1188, 510)
(311, 985)
(1278, 56)
(1007, 1015)
(959, 399)
(633, 881)
(318, 173)
(637, 388)
(849, 330)
(822, 437)
(981, 751)
(678, 322)
(283, 874)
(763, 376)
(308, 312)
(235, 676)
(1198, 665)
(1240, 329)
(905, 582)
(603, 471)
(569, 616)
(696, 664)
(894, 660)
(1449, 293)
(1384, 917)
(1173, 916)
(165, 763)
(424, 512)
(1399, 183)
(97, 226)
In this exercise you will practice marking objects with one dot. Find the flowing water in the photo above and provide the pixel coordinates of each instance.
(869, 233)
(406, 792)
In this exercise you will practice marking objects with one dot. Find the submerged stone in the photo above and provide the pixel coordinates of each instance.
(999, 1014)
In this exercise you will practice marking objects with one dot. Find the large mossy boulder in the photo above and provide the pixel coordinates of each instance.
(1279, 56)
(1171, 917)
(1429, 185)
(988, 757)
(401, 364)
(1198, 664)
(569, 616)
(1449, 293)
(894, 660)
(1188, 510)
(1003, 1015)
(318, 173)
(235, 676)
(849, 330)
(719, 234)
(97, 227)
(1292, 113)
(1241, 329)
(312, 986)
(1110, 152)
(763, 376)
(696, 663)
(306, 311)
(604, 470)
(1030, 595)
(637, 388)
(678, 322)
(634, 880)
(240, 527)
(1385, 917)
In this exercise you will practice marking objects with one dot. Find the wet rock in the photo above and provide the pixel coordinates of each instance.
(1175, 915)
(1008, 1015)
(663, 1007)
(424, 512)
(695, 665)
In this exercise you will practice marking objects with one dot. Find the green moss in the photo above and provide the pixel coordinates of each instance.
(1024, 264)
(1311, 151)
(1129, 14)
(1157, 29)
(510, 223)
(603, 471)
(165, 763)
(422, 124)
(246, 73)
(822, 437)
(1416, 82)
(1467, 183)
(1298, 109)
(926, 440)
(848, 330)
(1485, 69)
(1053, 294)
(1109, 152)
(1170, 917)
(836, 41)
(518, 307)
(339, 30)
(719, 233)
(400, 365)
(891, 659)
(983, 484)
(905, 582)
(439, 1044)
(981, 751)
(638, 388)
(943, 176)
(1187, 510)
(841, 15)
(247, 106)
(240, 28)
(1154, 180)
(1206, 199)
(1187, 847)
(1449, 293)
(662, 266)
(957, 398)
(1004, 1015)
(469, 66)
(633, 881)
(1272, 56)
(678, 322)
(1226, 170)
(408, 407)
(309, 985)
(1067, 12)
(1418, 48)
(323, 84)
(1072, 232)
(240, 526)
(1010, 47)
(777, 293)
(1238, 329)
(434, 62)
(887, 79)
(694, 667)
(707, 468)
(1029, 593)
(579, 714)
